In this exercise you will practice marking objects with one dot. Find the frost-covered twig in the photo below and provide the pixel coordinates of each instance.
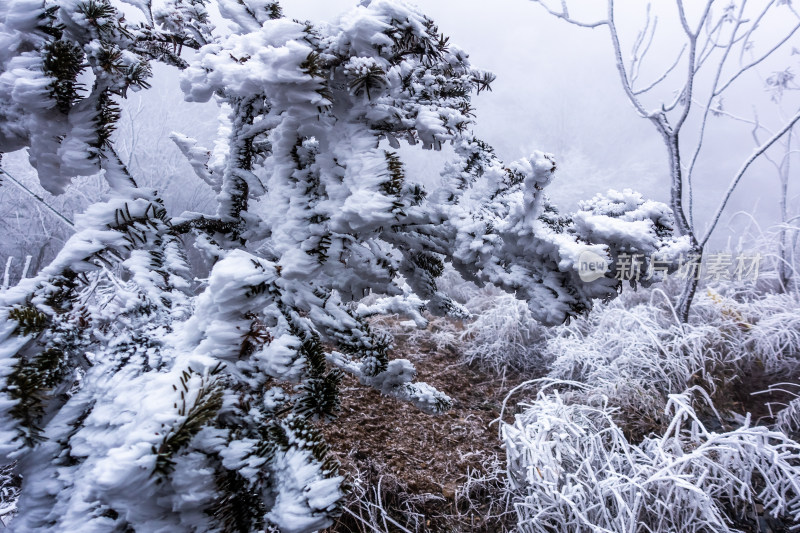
(738, 176)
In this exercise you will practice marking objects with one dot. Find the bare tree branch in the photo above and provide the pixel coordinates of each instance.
(647, 33)
(564, 15)
(39, 199)
(623, 74)
(757, 61)
(738, 176)
(701, 136)
(663, 76)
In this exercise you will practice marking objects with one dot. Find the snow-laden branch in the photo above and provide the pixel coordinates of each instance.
(221, 380)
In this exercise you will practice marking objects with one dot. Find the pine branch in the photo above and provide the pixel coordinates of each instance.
(204, 408)
(28, 384)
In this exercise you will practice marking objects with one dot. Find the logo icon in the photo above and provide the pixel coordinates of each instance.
(591, 266)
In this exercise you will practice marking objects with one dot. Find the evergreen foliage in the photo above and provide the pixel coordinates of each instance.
(134, 396)
(204, 408)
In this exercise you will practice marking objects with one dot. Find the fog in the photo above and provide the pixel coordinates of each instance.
(557, 90)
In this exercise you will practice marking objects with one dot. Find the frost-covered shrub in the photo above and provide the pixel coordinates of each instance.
(625, 355)
(9, 492)
(573, 470)
(786, 415)
(625, 433)
(454, 286)
(635, 352)
(503, 335)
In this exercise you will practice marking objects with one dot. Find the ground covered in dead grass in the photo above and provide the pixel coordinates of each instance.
(627, 371)
(432, 470)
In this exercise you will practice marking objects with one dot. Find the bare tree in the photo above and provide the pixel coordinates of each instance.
(715, 49)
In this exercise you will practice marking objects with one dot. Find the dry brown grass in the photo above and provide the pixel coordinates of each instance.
(425, 472)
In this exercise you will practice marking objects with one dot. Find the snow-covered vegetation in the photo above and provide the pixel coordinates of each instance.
(645, 420)
(573, 469)
(232, 343)
(629, 419)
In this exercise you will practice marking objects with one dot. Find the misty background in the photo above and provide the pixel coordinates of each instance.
(557, 90)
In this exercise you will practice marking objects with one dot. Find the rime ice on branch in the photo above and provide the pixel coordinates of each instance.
(133, 397)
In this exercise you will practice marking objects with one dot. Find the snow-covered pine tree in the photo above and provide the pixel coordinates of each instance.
(129, 403)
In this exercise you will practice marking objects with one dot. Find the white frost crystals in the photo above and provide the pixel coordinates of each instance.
(169, 371)
(576, 471)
